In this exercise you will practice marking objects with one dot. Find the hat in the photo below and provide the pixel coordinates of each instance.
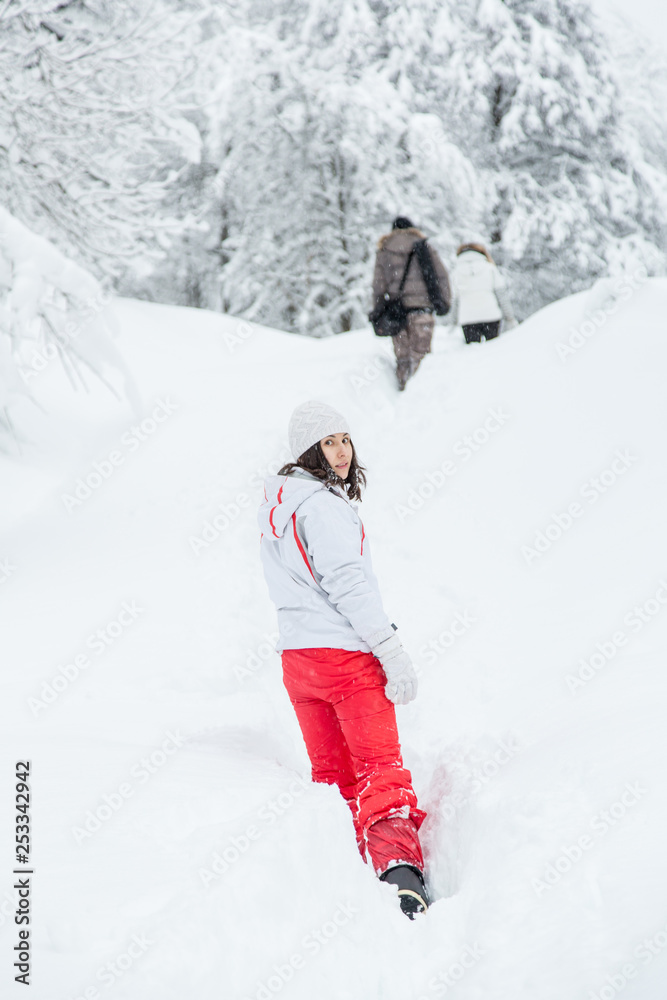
(311, 422)
(401, 222)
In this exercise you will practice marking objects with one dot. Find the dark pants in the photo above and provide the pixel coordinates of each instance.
(413, 344)
(473, 332)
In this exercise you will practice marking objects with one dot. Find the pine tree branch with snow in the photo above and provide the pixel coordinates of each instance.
(90, 133)
(51, 309)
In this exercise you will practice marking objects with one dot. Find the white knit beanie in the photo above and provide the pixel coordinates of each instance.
(311, 422)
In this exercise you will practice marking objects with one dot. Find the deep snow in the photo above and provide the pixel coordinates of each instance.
(179, 848)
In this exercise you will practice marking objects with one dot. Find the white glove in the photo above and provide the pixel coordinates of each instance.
(401, 677)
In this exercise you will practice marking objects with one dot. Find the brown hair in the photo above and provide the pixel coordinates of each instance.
(313, 461)
(478, 248)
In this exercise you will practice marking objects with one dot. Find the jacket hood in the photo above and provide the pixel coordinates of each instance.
(284, 494)
(400, 237)
(470, 262)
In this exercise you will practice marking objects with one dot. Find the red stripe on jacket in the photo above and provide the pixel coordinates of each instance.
(363, 535)
(273, 509)
(301, 548)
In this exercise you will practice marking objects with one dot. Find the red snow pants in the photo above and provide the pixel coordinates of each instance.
(349, 727)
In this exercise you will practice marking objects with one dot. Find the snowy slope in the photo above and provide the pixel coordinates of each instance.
(515, 508)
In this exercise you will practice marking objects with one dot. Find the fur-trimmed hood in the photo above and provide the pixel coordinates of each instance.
(410, 231)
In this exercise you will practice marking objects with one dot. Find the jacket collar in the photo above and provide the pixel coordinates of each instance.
(411, 231)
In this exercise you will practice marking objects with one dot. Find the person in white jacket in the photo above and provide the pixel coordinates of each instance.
(344, 667)
(480, 297)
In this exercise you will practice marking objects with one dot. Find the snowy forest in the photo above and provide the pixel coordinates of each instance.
(245, 157)
(191, 198)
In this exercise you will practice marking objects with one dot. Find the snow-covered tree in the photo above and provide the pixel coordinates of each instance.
(574, 197)
(51, 311)
(642, 73)
(246, 156)
(189, 273)
(319, 150)
(499, 120)
(90, 133)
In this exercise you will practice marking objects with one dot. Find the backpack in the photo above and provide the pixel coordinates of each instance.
(425, 261)
(391, 316)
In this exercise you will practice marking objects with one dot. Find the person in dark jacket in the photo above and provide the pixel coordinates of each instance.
(413, 343)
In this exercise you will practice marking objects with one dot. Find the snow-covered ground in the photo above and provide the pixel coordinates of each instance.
(516, 505)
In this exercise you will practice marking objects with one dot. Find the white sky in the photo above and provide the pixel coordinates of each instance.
(650, 16)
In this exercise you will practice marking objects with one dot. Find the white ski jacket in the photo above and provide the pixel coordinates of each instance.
(318, 567)
(479, 291)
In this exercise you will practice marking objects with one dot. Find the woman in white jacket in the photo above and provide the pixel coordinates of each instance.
(344, 667)
(480, 296)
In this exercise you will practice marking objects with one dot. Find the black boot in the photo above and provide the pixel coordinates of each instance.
(411, 890)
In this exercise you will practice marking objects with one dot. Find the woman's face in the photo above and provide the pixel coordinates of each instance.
(337, 449)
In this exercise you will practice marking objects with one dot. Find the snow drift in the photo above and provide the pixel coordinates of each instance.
(516, 511)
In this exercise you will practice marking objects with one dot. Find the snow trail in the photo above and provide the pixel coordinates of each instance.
(516, 513)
